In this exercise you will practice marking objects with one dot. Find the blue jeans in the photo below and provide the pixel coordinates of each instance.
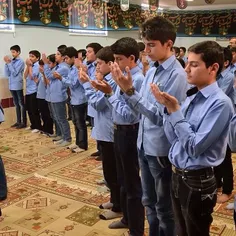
(59, 112)
(156, 184)
(18, 100)
(57, 128)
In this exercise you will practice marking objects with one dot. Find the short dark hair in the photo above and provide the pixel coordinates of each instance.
(71, 52)
(95, 46)
(36, 53)
(63, 47)
(83, 51)
(52, 58)
(177, 50)
(15, 48)
(141, 46)
(183, 48)
(158, 28)
(105, 54)
(211, 52)
(126, 46)
(228, 56)
(41, 63)
(181, 61)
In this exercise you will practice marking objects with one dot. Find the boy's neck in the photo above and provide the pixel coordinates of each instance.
(167, 56)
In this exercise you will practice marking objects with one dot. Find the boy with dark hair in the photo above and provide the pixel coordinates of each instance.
(182, 54)
(159, 35)
(198, 133)
(176, 51)
(224, 171)
(31, 74)
(78, 102)
(104, 131)
(233, 63)
(47, 127)
(58, 95)
(91, 50)
(82, 54)
(126, 54)
(14, 70)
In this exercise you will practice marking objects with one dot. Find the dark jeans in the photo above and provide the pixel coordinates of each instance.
(225, 171)
(69, 108)
(156, 183)
(33, 112)
(45, 115)
(193, 201)
(125, 141)
(110, 173)
(18, 100)
(79, 120)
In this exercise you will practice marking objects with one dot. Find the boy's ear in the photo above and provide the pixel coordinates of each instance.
(132, 57)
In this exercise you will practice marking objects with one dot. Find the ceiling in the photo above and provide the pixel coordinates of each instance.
(194, 5)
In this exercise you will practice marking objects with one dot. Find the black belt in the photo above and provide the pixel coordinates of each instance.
(126, 127)
(208, 171)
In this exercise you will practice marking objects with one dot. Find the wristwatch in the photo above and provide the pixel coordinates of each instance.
(130, 91)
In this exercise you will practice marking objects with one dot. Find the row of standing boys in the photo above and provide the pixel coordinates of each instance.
(139, 125)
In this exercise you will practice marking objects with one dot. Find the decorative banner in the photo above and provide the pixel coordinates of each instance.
(45, 7)
(182, 4)
(209, 1)
(207, 22)
(124, 5)
(3, 10)
(153, 5)
(23, 10)
(190, 23)
(96, 4)
(224, 22)
(63, 6)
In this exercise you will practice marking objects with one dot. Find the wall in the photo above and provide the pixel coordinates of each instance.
(47, 39)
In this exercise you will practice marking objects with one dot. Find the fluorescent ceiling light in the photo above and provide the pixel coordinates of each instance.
(144, 5)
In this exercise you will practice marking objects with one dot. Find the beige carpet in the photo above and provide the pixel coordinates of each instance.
(53, 192)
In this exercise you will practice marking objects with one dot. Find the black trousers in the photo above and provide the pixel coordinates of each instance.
(98, 142)
(193, 200)
(79, 120)
(44, 112)
(33, 112)
(110, 173)
(225, 171)
(125, 140)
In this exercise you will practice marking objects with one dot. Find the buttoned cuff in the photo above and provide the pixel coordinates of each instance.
(112, 98)
(132, 99)
(176, 117)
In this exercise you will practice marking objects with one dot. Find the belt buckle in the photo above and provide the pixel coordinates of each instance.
(174, 169)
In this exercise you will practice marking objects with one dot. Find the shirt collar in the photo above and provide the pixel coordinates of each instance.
(223, 73)
(210, 89)
(166, 64)
(108, 77)
(134, 70)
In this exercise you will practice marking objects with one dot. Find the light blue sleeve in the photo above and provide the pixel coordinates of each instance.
(232, 134)
(17, 68)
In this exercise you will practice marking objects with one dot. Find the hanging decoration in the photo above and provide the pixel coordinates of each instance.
(224, 22)
(45, 7)
(3, 10)
(190, 22)
(112, 15)
(83, 10)
(209, 1)
(153, 5)
(96, 4)
(207, 22)
(182, 4)
(63, 6)
(124, 5)
(99, 15)
(23, 10)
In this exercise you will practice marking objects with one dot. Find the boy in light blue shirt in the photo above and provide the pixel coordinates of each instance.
(32, 74)
(14, 70)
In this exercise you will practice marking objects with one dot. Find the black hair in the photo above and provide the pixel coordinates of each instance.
(105, 54)
(63, 47)
(177, 50)
(71, 52)
(83, 52)
(36, 53)
(16, 48)
(41, 63)
(52, 58)
(158, 28)
(183, 48)
(141, 46)
(211, 52)
(126, 46)
(228, 56)
(95, 46)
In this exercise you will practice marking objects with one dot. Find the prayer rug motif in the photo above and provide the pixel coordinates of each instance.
(8, 231)
(86, 215)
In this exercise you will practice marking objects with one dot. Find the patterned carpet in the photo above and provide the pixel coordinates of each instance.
(53, 192)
